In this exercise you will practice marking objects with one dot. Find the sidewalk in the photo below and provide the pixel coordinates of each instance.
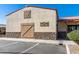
(74, 49)
(41, 41)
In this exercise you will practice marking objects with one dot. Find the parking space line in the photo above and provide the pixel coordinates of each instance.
(67, 49)
(8, 44)
(30, 48)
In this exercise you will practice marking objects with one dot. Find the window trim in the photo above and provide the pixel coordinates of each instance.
(44, 24)
(27, 14)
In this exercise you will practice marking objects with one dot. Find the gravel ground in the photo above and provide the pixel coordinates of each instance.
(74, 49)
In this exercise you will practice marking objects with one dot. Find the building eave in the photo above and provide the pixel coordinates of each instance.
(31, 6)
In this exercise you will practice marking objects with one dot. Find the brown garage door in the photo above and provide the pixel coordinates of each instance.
(27, 31)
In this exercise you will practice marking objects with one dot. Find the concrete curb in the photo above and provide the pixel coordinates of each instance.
(67, 49)
(31, 40)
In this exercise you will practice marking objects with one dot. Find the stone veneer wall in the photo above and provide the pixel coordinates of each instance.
(45, 35)
(2, 35)
(37, 35)
(13, 34)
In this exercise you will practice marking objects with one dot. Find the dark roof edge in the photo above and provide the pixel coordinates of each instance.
(31, 6)
(14, 11)
(43, 7)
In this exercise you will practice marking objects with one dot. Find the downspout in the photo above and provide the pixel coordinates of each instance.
(57, 18)
(66, 29)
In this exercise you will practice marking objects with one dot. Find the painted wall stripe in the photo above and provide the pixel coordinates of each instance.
(67, 49)
(30, 48)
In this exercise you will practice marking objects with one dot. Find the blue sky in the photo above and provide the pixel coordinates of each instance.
(64, 10)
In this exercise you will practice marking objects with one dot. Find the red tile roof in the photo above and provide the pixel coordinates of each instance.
(69, 19)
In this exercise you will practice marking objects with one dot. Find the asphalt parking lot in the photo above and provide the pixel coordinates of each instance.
(18, 47)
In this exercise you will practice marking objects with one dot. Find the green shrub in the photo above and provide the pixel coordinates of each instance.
(73, 35)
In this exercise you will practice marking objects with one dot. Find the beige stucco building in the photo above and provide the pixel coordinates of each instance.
(32, 22)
